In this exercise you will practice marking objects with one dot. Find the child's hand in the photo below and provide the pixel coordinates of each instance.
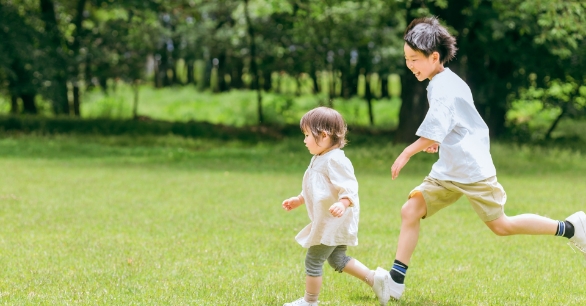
(337, 209)
(432, 149)
(399, 163)
(291, 203)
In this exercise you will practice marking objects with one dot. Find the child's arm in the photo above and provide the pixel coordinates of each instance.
(337, 209)
(292, 203)
(419, 145)
(432, 149)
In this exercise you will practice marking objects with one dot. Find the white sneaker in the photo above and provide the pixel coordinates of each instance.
(578, 220)
(385, 287)
(300, 302)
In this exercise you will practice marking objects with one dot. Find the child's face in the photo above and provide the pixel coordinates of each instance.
(423, 67)
(322, 144)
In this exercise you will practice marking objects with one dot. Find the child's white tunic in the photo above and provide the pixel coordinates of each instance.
(329, 178)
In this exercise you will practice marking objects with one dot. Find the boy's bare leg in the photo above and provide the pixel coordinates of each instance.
(360, 271)
(526, 224)
(411, 215)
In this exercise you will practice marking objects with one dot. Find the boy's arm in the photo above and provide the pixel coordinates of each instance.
(419, 145)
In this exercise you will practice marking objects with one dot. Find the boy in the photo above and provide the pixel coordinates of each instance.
(465, 165)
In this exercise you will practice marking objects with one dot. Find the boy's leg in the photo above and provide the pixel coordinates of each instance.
(526, 224)
(411, 213)
(488, 199)
(574, 227)
(390, 284)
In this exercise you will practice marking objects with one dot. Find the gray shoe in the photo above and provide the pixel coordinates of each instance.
(578, 220)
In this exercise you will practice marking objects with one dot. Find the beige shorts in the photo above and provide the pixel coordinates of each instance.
(487, 196)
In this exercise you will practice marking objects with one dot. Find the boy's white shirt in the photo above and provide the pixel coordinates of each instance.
(329, 178)
(453, 121)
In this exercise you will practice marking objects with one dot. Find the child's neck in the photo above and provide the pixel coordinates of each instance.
(327, 150)
(438, 70)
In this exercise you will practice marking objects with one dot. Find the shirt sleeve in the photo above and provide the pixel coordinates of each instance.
(341, 174)
(437, 123)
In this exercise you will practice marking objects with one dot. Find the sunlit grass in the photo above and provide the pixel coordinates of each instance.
(173, 221)
(236, 108)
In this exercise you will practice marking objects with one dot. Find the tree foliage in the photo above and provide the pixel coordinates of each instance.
(509, 50)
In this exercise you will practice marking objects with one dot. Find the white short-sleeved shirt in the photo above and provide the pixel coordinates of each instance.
(453, 121)
(329, 178)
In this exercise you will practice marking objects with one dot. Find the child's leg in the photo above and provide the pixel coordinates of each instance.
(312, 288)
(344, 263)
(360, 271)
(527, 224)
(411, 214)
(314, 261)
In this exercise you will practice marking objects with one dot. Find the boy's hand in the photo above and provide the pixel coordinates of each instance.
(337, 209)
(432, 149)
(291, 203)
(399, 163)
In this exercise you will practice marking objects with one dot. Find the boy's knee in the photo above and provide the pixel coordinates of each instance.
(500, 230)
(414, 208)
(500, 227)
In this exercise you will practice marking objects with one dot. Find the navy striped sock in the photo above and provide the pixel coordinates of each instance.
(565, 229)
(398, 272)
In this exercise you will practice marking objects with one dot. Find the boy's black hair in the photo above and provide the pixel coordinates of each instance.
(427, 35)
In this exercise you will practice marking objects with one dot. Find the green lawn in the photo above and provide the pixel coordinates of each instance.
(170, 221)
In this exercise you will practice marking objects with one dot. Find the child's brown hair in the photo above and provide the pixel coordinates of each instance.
(325, 120)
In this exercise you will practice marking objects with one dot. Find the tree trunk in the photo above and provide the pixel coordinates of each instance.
(207, 76)
(413, 108)
(314, 79)
(190, 67)
(13, 104)
(368, 97)
(157, 73)
(384, 86)
(75, 47)
(332, 91)
(221, 72)
(135, 102)
(236, 75)
(28, 104)
(59, 82)
(253, 65)
(267, 80)
(76, 100)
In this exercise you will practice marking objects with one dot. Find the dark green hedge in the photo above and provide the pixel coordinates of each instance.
(65, 125)
(44, 125)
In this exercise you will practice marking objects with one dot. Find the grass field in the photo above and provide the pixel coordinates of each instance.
(170, 221)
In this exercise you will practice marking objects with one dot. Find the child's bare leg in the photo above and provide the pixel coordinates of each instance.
(312, 288)
(526, 224)
(360, 271)
(411, 215)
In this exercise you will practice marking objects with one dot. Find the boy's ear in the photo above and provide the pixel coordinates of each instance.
(436, 56)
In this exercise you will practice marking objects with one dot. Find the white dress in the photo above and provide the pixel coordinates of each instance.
(329, 178)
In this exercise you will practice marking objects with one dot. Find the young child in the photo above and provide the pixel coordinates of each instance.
(330, 194)
(464, 166)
